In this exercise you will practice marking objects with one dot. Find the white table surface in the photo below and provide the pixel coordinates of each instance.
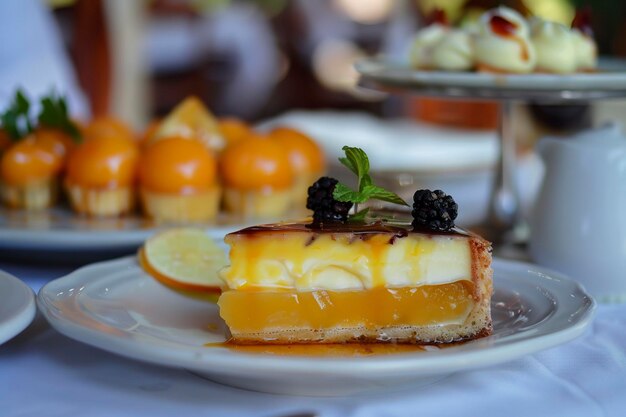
(43, 373)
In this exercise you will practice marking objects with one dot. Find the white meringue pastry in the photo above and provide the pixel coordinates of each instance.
(504, 52)
(454, 51)
(555, 47)
(423, 44)
(586, 51)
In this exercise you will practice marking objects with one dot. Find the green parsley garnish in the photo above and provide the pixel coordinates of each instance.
(54, 114)
(15, 119)
(356, 160)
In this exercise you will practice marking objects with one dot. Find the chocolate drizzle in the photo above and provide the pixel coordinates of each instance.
(365, 230)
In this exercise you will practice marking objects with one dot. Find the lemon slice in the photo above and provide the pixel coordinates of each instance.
(186, 260)
(191, 119)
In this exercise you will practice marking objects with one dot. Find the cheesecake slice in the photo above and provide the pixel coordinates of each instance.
(376, 282)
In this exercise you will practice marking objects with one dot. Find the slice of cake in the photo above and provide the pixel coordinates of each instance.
(376, 282)
(356, 277)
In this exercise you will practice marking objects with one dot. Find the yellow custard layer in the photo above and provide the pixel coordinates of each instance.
(262, 311)
(307, 261)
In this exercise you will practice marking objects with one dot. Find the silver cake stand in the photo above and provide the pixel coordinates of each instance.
(504, 221)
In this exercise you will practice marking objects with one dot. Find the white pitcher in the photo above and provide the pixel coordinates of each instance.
(578, 225)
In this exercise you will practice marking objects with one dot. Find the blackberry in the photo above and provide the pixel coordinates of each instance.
(325, 208)
(434, 210)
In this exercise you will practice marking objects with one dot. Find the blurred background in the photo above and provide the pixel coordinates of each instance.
(249, 58)
(287, 61)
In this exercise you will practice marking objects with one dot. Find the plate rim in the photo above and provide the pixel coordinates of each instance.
(383, 70)
(21, 317)
(74, 239)
(225, 362)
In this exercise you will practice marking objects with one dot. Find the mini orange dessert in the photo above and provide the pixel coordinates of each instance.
(257, 177)
(29, 171)
(108, 126)
(306, 158)
(178, 181)
(59, 142)
(233, 129)
(191, 119)
(101, 174)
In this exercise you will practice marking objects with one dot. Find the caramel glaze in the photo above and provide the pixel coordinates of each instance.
(325, 350)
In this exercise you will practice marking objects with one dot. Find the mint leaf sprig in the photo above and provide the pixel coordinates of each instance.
(356, 160)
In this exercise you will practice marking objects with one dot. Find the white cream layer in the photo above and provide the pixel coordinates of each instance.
(337, 262)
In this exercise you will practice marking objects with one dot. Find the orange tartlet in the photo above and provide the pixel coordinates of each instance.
(108, 126)
(233, 129)
(306, 158)
(257, 177)
(29, 171)
(178, 181)
(101, 175)
(59, 142)
(190, 119)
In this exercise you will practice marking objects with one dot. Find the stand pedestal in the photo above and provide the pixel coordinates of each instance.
(505, 223)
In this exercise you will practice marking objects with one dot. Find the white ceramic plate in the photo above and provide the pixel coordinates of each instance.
(17, 306)
(609, 80)
(59, 233)
(115, 306)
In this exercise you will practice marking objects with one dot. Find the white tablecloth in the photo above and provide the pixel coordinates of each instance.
(43, 373)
